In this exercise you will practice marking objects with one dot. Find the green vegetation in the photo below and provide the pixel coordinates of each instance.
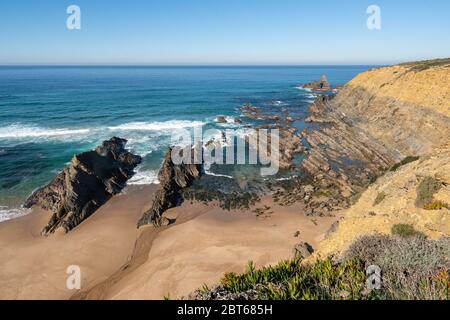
(404, 230)
(427, 64)
(412, 268)
(380, 197)
(426, 190)
(436, 205)
(405, 161)
(290, 280)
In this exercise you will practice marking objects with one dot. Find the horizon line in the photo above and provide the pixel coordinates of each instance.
(194, 65)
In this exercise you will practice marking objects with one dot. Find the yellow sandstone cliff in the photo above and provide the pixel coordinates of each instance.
(406, 107)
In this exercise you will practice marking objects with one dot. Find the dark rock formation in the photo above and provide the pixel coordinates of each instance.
(221, 119)
(173, 179)
(250, 111)
(86, 184)
(303, 250)
(321, 85)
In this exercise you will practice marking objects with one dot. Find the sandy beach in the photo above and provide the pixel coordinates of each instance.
(118, 261)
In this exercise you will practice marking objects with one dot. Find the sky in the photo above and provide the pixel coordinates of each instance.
(222, 32)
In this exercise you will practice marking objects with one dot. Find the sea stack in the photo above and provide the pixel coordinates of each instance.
(321, 85)
(173, 179)
(87, 183)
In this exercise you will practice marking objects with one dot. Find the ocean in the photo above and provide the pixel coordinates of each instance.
(48, 114)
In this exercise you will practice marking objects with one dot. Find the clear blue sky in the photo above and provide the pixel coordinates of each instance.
(222, 32)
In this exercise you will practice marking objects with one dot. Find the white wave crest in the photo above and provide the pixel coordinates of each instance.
(156, 126)
(143, 177)
(303, 89)
(209, 173)
(8, 214)
(17, 131)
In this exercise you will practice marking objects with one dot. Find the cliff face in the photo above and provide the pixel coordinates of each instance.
(392, 200)
(406, 107)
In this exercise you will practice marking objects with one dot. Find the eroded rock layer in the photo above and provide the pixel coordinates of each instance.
(173, 179)
(340, 155)
(86, 184)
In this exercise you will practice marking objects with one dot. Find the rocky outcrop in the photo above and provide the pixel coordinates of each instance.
(320, 85)
(86, 184)
(378, 119)
(250, 111)
(173, 179)
(303, 250)
(221, 119)
(341, 159)
(290, 142)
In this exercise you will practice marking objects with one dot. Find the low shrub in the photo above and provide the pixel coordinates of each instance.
(404, 230)
(436, 205)
(405, 161)
(426, 190)
(410, 266)
(380, 197)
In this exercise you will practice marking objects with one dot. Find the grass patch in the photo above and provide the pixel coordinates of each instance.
(426, 190)
(405, 161)
(380, 197)
(404, 230)
(436, 205)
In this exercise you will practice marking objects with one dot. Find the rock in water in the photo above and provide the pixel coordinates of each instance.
(86, 184)
(321, 85)
(173, 179)
(221, 119)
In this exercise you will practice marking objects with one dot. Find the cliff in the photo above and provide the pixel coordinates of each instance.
(407, 109)
(396, 199)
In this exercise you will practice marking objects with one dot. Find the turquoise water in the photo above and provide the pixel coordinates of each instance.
(48, 114)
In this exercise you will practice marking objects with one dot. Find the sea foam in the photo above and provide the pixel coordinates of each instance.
(156, 126)
(8, 214)
(143, 177)
(17, 131)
